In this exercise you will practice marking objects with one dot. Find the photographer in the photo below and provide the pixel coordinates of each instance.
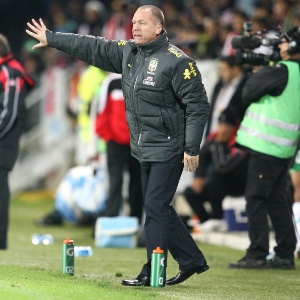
(269, 131)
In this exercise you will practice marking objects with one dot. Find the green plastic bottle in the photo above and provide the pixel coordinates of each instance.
(68, 257)
(157, 278)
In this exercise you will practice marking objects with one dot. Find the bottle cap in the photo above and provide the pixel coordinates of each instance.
(68, 241)
(158, 250)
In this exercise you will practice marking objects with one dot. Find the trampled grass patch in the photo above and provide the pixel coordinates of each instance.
(30, 271)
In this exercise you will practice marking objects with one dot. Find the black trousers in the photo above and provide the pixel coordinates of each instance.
(267, 192)
(118, 160)
(163, 227)
(218, 186)
(4, 207)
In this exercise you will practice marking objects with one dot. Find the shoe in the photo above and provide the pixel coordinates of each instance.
(54, 218)
(194, 221)
(249, 263)
(213, 225)
(184, 275)
(139, 281)
(281, 263)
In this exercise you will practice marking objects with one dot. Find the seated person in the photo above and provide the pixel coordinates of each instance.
(222, 168)
(221, 172)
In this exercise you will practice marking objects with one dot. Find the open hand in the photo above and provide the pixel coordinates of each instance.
(38, 31)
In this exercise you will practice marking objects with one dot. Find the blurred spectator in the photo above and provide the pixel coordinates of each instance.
(74, 10)
(227, 94)
(246, 5)
(112, 127)
(209, 43)
(296, 19)
(187, 39)
(61, 23)
(222, 168)
(261, 24)
(283, 13)
(118, 26)
(238, 20)
(261, 10)
(14, 85)
(88, 85)
(171, 19)
(95, 16)
(31, 60)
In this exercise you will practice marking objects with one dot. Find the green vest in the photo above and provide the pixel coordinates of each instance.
(271, 125)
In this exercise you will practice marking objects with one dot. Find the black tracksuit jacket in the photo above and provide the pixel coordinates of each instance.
(14, 85)
(166, 102)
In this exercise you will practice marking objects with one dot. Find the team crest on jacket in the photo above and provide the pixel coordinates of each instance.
(153, 65)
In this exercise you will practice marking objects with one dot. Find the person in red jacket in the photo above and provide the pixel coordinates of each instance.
(14, 85)
(112, 127)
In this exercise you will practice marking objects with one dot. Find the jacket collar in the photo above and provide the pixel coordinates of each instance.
(161, 42)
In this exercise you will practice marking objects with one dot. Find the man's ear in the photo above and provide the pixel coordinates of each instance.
(158, 29)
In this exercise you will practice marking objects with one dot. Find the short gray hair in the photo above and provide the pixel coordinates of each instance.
(156, 12)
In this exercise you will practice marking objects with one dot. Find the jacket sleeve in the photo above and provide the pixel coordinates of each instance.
(268, 80)
(10, 91)
(189, 89)
(97, 51)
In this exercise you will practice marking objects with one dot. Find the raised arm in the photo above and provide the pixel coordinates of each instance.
(38, 31)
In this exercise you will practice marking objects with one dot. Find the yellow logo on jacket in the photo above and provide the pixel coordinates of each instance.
(122, 43)
(175, 52)
(189, 72)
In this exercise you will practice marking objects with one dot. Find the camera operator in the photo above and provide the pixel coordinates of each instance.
(269, 131)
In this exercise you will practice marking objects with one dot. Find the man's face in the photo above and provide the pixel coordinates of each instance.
(225, 72)
(283, 47)
(145, 28)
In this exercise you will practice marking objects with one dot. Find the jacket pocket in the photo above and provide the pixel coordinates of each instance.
(167, 123)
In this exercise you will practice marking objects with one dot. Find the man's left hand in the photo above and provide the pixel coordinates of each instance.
(190, 163)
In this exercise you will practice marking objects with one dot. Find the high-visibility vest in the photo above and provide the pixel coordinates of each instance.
(90, 80)
(271, 125)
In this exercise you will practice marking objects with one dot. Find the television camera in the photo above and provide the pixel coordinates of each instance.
(261, 48)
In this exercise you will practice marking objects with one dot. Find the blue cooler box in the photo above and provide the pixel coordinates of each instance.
(116, 232)
(235, 213)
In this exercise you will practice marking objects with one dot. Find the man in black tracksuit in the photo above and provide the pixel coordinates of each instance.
(166, 110)
(14, 84)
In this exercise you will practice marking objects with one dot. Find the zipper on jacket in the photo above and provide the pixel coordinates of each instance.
(134, 102)
(138, 123)
(135, 81)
